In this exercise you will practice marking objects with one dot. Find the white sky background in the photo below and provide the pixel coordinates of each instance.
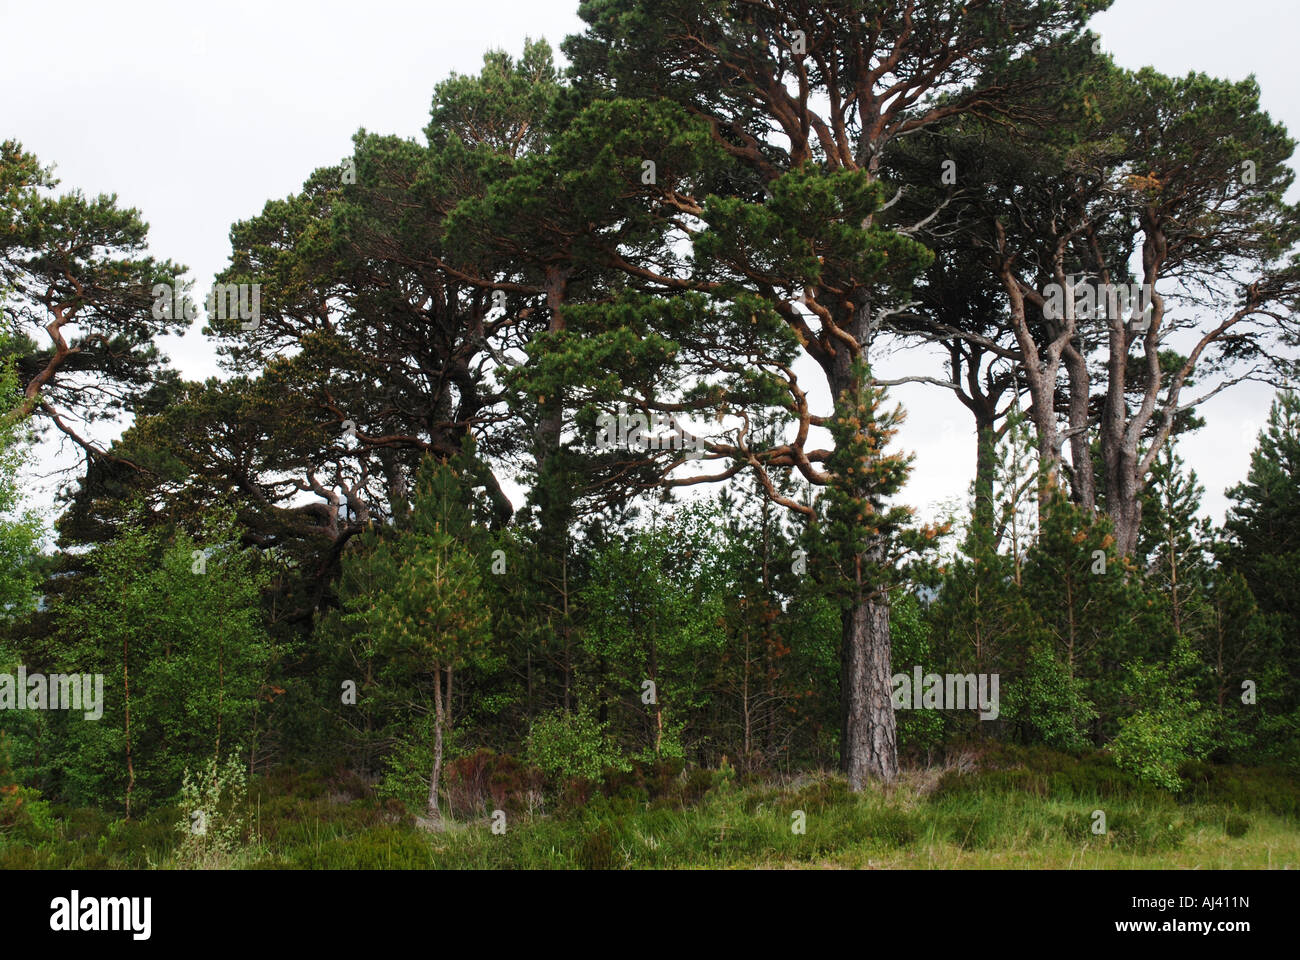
(198, 114)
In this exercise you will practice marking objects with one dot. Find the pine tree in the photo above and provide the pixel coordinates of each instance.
(1173, 542)
(79, 275)
(1263, 523)
(424, 605)
(858, 541)
(1262, 545)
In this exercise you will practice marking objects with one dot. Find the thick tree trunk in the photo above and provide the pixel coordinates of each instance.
(1084, 485)
(1120, 457)
(1124, 503)
(869, 736)
(1040, 369)
(1127, 470)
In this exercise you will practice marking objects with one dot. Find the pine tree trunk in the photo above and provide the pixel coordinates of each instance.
(434, 812)
(744, 700)
(985, 469)
(1123, 497)
(1040, 369)
(869, 736)
(1084, 485)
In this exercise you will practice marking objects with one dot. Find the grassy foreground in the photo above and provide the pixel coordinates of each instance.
(1022, 809)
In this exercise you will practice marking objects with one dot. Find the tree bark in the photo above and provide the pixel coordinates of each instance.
(869, 735)
(986, 441)
(1084, 484)
(436, 777)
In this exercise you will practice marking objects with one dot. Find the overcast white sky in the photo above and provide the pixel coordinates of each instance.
(197, 114)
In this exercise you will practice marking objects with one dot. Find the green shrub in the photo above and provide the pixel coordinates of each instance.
(567, 745)
(1168, 726)
(1048, 703)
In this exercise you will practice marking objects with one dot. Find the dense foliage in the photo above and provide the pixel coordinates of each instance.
(648, 293)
